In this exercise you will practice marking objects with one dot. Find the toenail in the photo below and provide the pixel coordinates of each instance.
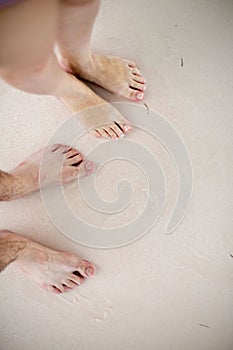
(140, 96)
(89, 271)
(127, 128)
(88, 166)
(122, 135)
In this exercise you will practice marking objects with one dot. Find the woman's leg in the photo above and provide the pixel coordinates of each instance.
(117, 75)
(76, 23)
(27, 34)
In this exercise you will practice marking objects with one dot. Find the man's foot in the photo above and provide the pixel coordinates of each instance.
(59, 163)
(54, 271)
(97, 116)
(115, 74)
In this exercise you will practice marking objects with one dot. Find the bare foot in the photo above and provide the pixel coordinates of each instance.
(97, 116)
(59, 163)
(120, 76)
(54, 271)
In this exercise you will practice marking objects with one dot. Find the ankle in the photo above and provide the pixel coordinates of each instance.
(81, 61)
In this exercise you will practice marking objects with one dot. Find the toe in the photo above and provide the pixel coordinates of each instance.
(76, 278)
(75, 166)
(52, 289)
(71, 284)
(110, 132)
(71, 152)
(136, 95)
(126, 127)
(68, 150)
(138, 86)
(85, 268)
(131, 64)
(57, 289)
(116, 128)
(95, 133)
(74, 160)
(138, 79)
(66, 288)
(103, 133)
(136, 71)
(60, 287)
(86, 168)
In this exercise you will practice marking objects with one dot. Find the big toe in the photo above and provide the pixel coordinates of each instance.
(78, 168)
(86, 168)
(85, 268)
(135, 95)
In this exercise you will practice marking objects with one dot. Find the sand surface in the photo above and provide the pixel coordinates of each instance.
(165, 292)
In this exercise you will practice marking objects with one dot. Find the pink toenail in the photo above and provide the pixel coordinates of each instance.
(122, 135)
(88, 166)
(89, 271)
(140, 96)
(127, 128)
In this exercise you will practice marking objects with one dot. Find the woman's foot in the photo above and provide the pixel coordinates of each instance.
(54, 271)
(60, 163)
(97, 116)
(120, 76)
